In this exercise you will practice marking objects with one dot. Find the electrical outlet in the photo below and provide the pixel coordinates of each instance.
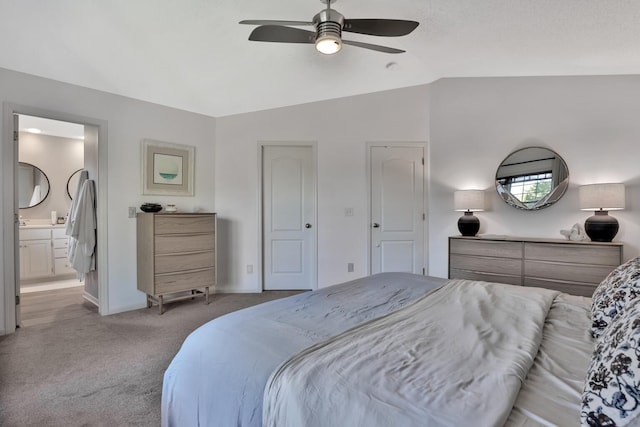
(348, 211)
(132, 211)
(249, 268)
(350, 267)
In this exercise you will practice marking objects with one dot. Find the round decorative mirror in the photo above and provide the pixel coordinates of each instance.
(72, 183)
(532, 178)
(33, 185)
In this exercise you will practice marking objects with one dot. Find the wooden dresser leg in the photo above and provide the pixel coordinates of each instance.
(206, 295)
(160, 301)
(149, 301)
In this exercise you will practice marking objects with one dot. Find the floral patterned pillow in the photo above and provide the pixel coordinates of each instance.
(612, 295)
(611, 394)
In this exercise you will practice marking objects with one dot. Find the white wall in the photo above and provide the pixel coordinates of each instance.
(470, 124)
(129, 121)
(58, 158)
(341, 129)
(592, 122)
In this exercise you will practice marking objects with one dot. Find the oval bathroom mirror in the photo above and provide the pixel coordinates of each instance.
(72, 183)
(532, 178)
(33, 185)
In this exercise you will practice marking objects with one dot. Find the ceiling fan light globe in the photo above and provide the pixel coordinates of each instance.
(328, 44)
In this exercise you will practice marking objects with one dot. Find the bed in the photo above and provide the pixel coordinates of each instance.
(403, 349)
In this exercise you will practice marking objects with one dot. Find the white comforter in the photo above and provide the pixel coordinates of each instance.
(454, 358)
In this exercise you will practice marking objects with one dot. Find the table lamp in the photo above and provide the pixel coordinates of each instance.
(468, 201)
(601, 198)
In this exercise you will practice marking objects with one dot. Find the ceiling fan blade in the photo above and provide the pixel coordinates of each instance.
(273, 22)
(279, 34)
(380, 27)
(379, 48)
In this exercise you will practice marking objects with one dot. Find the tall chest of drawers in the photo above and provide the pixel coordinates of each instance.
(572, 267)
(176, 256)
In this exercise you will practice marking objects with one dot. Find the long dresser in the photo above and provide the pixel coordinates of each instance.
(572, 267)
(176, 256)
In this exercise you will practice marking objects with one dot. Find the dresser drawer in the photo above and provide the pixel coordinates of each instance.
(583, 273)
(573, 288)
(176, 243)
(194, 261)
(487, 277)
(489, 248)
(575, 253)
(478, 264)
(177, 282)
(177, 224)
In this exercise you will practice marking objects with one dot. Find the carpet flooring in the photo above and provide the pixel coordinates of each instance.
(88, 370)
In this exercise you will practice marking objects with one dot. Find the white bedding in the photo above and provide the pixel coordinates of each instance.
(218, 376)
(552, 392)
(457, 357)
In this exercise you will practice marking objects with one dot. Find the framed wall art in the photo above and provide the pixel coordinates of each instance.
(167, 169)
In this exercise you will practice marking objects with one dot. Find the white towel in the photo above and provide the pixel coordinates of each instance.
(82, 230)
(84, 175)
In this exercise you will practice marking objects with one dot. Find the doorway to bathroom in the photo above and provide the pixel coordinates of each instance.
(51, 157)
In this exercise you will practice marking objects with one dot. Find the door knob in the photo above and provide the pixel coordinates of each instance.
(307, 225)
(376, 225)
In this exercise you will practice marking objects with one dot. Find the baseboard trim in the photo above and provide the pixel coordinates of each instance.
(125, 308)
(236, 291)
(93, 300)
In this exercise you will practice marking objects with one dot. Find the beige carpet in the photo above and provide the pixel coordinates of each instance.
(100, 371)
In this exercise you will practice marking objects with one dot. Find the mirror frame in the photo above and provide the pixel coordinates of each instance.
(45, 177)
(69, 181)
(549, 199)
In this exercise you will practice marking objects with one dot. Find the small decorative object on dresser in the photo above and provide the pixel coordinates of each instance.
(176, 255)
(468, 201)
(601, 198)
(150, 207)
(564, 265)
(575, 233)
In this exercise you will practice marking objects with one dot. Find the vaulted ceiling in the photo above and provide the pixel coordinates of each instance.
(193, 54)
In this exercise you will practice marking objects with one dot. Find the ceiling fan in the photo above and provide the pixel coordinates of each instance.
(329, 25)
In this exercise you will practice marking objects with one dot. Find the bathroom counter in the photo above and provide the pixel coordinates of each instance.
(44, 226)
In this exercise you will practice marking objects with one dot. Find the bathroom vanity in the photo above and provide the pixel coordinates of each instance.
(43, 252)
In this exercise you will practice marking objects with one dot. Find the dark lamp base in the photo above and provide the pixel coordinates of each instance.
(601, 227)
(468, 224)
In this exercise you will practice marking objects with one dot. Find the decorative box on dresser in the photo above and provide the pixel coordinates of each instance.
(564, 265)
(176, 256)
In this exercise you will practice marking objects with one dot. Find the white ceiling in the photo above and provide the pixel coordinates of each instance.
(193, 54)
(50, 127)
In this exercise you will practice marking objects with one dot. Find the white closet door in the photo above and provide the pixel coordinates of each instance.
(289, 207)
(397, 209)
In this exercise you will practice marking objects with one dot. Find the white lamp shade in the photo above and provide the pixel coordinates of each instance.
(608, 197)
(468, 200)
